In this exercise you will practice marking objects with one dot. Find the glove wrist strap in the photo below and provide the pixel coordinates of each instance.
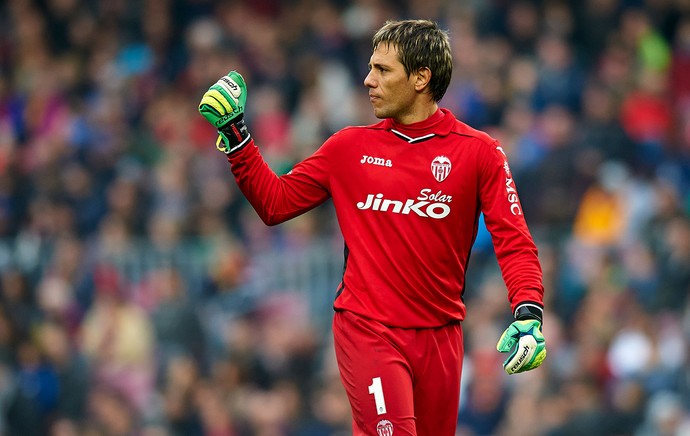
(529, 310)
(234, 134)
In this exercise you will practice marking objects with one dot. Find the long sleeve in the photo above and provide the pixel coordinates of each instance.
(279, 198)
(515, 249)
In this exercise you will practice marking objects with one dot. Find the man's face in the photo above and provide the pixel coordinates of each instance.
(391, 90)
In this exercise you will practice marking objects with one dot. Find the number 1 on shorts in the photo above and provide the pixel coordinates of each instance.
(377, 390)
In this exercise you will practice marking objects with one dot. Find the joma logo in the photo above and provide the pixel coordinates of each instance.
(371, 160)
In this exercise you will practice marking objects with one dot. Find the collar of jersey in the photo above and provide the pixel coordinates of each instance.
(439, 124)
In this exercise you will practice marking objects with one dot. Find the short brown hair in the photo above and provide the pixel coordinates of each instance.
(420, 43)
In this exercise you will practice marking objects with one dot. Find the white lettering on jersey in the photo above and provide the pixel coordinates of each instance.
(513, 197)
(439, 196)
(421, 206)
(371, 160)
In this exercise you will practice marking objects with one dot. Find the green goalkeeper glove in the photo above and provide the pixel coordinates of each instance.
(223, 106)
(524, 340)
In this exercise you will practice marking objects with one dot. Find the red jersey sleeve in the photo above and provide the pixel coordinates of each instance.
(515, 249)
(279, 198)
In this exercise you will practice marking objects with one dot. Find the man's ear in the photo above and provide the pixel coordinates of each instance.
(422, 78)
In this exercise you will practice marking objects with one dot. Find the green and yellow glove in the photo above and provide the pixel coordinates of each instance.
(524, 340)
(223, 106)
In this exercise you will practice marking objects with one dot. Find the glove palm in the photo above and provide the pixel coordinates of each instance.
(530, 351)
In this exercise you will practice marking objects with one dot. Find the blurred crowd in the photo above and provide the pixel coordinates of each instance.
(105, 163)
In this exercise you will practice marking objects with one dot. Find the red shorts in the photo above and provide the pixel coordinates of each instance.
(399, 381)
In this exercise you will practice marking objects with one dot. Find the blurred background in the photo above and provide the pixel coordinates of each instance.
(141, 295)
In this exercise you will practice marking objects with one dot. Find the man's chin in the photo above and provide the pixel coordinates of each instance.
(380, 114)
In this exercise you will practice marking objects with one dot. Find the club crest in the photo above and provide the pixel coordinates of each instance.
(384, 428)
(440, 168)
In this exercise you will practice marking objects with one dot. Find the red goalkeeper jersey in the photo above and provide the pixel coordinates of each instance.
(408, 200)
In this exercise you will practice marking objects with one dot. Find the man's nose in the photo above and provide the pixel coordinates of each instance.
(369, 81)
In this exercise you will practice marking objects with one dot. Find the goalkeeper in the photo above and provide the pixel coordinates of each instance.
(408, 192)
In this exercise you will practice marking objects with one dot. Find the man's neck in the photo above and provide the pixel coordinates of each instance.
(418, 115)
